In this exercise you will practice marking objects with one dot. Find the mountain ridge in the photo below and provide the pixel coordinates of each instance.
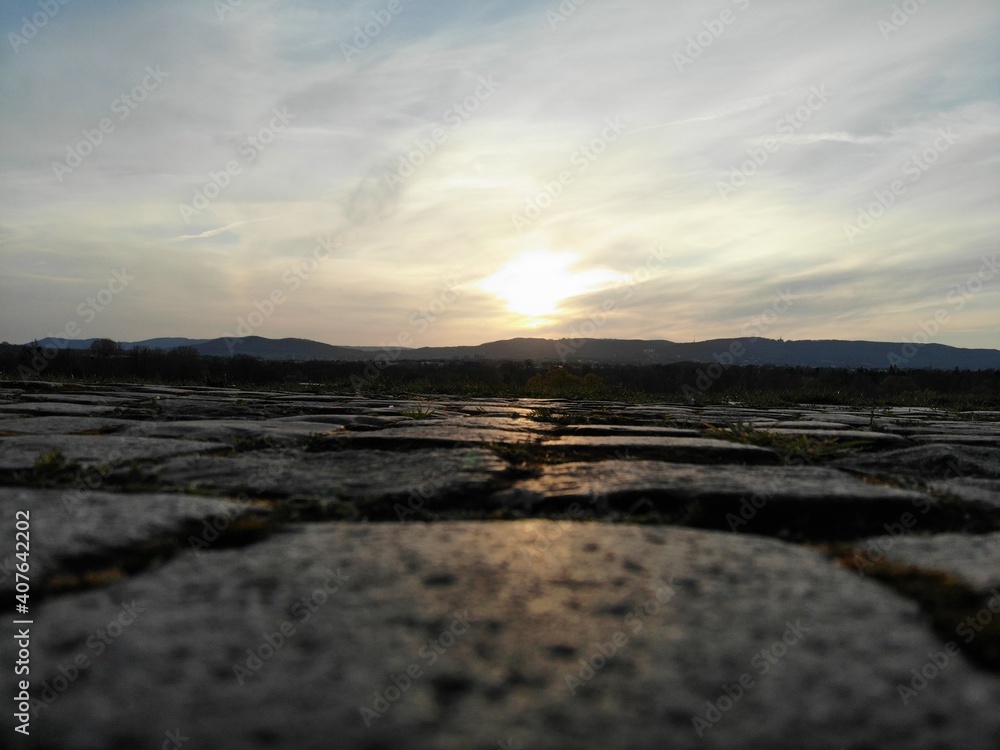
(741, 350)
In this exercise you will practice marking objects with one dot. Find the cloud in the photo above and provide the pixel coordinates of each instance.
(214, 232)
(394, 150)
(841, 137)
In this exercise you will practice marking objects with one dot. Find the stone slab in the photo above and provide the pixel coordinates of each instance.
(424, 436)
(793, 501)
(629, 430)
(20, 453)
(95, 397)
(62, 425)
(475, 635)
(191, 407)
(330, 418)
(694, 450)
(804, 424)
(879, 439)
(954, 427)
(32, 386)
(852, 420)
(935, 461)
(511, 424)
(54, 409)
(428, 476)
(232, 431)
(986, 441)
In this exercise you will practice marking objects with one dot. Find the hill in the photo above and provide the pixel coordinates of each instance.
(747, 351)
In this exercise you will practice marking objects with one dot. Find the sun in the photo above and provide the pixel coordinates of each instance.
(534, 284)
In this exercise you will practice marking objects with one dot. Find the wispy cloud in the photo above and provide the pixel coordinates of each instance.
(841, 137)
(214, 232)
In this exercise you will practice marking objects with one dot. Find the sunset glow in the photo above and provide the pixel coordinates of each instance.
(534, 284)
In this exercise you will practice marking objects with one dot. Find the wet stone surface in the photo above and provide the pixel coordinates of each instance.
(261, 570)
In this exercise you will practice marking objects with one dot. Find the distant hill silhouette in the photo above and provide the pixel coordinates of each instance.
(747, 351)
(254, 346)
(161, 343)
(297, 349)
(829, 353)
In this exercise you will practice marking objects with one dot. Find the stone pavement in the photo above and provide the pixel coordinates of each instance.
(220, 568)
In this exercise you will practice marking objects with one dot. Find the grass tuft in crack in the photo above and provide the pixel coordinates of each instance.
(790, 447)
(417, 413)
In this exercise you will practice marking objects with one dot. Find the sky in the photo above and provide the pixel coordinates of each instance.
(445, 172)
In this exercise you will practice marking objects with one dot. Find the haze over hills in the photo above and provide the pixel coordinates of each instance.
(747, 351)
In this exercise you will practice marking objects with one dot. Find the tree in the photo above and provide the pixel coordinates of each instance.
(562, 382)
(105, 347)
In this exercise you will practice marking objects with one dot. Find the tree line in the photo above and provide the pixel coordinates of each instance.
(106, 361)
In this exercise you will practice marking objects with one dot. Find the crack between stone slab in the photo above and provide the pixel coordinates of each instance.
(954, 609)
